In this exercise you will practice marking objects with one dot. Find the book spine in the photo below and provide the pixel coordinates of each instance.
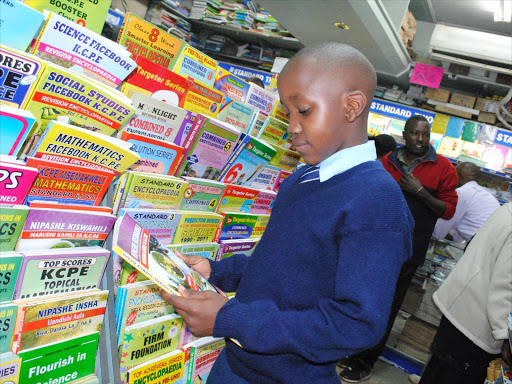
(219, 229)
(123, 27)
(263, 127)
(234, 156)
(191, 139)
(41, 33)
(124, 192)
(191, 364)
(18, 330)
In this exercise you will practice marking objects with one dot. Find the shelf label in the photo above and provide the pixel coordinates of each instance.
(399, 111)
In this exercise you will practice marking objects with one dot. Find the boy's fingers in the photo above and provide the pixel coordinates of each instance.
(175, 300)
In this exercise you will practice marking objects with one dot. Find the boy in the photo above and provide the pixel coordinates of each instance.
(319, 285)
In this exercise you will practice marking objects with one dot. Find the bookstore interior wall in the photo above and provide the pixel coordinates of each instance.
(123, 142)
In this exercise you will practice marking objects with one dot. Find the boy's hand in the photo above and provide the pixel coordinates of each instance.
(198, 309)
(197, 263)
(409, 183)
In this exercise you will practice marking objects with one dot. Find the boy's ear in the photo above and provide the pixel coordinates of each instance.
(355, 105)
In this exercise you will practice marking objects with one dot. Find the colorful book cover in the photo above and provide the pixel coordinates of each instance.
(130, 275)
(10, 366)
(15, 125)
(260, 226)
(494, 157)
(435, 140)
(64, 228)
(261, 99)
(153, 80)
(229, 248)
(232, 86)
(46, 320)
(144, 39)
(471, 131)
(395, 127)
(156, 156)
(440, 123)
(88, 104)
(201, 195)
(139, 302)
(450, 147)
(263, 203)
(136, 246)
(12, 220)
(282, 176)
(62, 361)
(147, 340)
(15, 182)
(169, 366)
(281, 113)
(455, 127)
(67, 183)
(258, 118)
(377, 124)
(150, 191)
(472, 150)
(285, 158)
(196, 65)
(203, 99)
(236, 114)
(237, 199)
(68, 144)
(207, 148)
(207, 250)
(267, 178)
(155, 119)
(58, 271)
(236, 225)
(8, 313)
(72, 46)
(10, 265)
(246, 162)
(487, 134)
(275, 132)
(197, 227)
(185, 127)
(160, 223)
(19, 24)
(200, 355)
(19, 74)
(89, 14)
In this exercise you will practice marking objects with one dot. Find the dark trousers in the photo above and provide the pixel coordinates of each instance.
(366, 359)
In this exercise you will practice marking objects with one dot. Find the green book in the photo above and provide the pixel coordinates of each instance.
(8, 313)
(201, 195)
(12, 219)
(60, 362)
(10, 263)
(471, 131)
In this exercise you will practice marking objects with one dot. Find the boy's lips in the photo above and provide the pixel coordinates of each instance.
(299, 146)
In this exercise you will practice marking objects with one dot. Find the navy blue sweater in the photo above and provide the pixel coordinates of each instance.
(320, 283)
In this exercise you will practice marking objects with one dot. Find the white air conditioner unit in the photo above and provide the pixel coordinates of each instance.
(472, 48)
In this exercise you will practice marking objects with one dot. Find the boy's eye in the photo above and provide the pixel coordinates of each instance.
(304, 111)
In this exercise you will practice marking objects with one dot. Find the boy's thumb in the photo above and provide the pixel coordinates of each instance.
(186, 293)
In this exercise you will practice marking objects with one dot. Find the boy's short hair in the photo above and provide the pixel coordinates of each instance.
(412, 121)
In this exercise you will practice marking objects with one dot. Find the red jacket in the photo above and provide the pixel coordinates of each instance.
(439, 177)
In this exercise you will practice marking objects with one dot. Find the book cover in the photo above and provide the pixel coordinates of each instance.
(155, 119)
(138, 302)
(89, 14)
(15, 182)
(236, 114)
(236, 226)
(136, 246)
(160, 223)
(285, 158)
(246, 162)
(68, 144)
(201, 195)
(88, 104)
(169, 366)
(46, 320)
(144, 39)
(151, 191)
(455, 127)
(232, 86)
(200, 355)
(267, 178)
(19, 24)
(128, 274)
(15, 125)
(196, 65)
(472, 150)
(261, 99)
(185, 127)
(60, 361)
(197, 227)
(228, 248)
(68, 183)
(494, 157)
(156, 156)
(8, 313)
(10, 265)
(395, 127)
(440, 123)
(471, 131)
(263, 202)
(281, 113)
(207, 250)
(10, 366)
(58, 271)
(258, 118)
(487, 134)
(207, 148)
(147, 340)
(237, 199)
(47, 228)
(203, 99)
(260, 226)
(275, 132)
(153, 80)
(435, 140)
(450, 147)
(282, 176)
(19, 73)
(12, 220)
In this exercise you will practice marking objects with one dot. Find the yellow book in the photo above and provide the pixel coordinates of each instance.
(197, 228)
(260, 226)
(10, 365)
(285, 158)
(203, 99)
(171, 366)
(440, 123)
(280, 113)
(450, 147)
(275, 132)
(195, 64)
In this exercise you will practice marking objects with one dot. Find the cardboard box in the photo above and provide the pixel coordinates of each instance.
(454, 112)
(486, 105)
(463, 100)
(487, 117)
(438, 94)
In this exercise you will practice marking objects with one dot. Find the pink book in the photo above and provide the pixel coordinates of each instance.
(15, 182)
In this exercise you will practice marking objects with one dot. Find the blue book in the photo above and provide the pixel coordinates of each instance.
(19, 24)
(455, 127)
(15, 125)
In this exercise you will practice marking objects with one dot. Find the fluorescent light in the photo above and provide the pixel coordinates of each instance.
(503, 11)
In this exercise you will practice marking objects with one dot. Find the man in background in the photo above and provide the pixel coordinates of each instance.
(474, 207)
